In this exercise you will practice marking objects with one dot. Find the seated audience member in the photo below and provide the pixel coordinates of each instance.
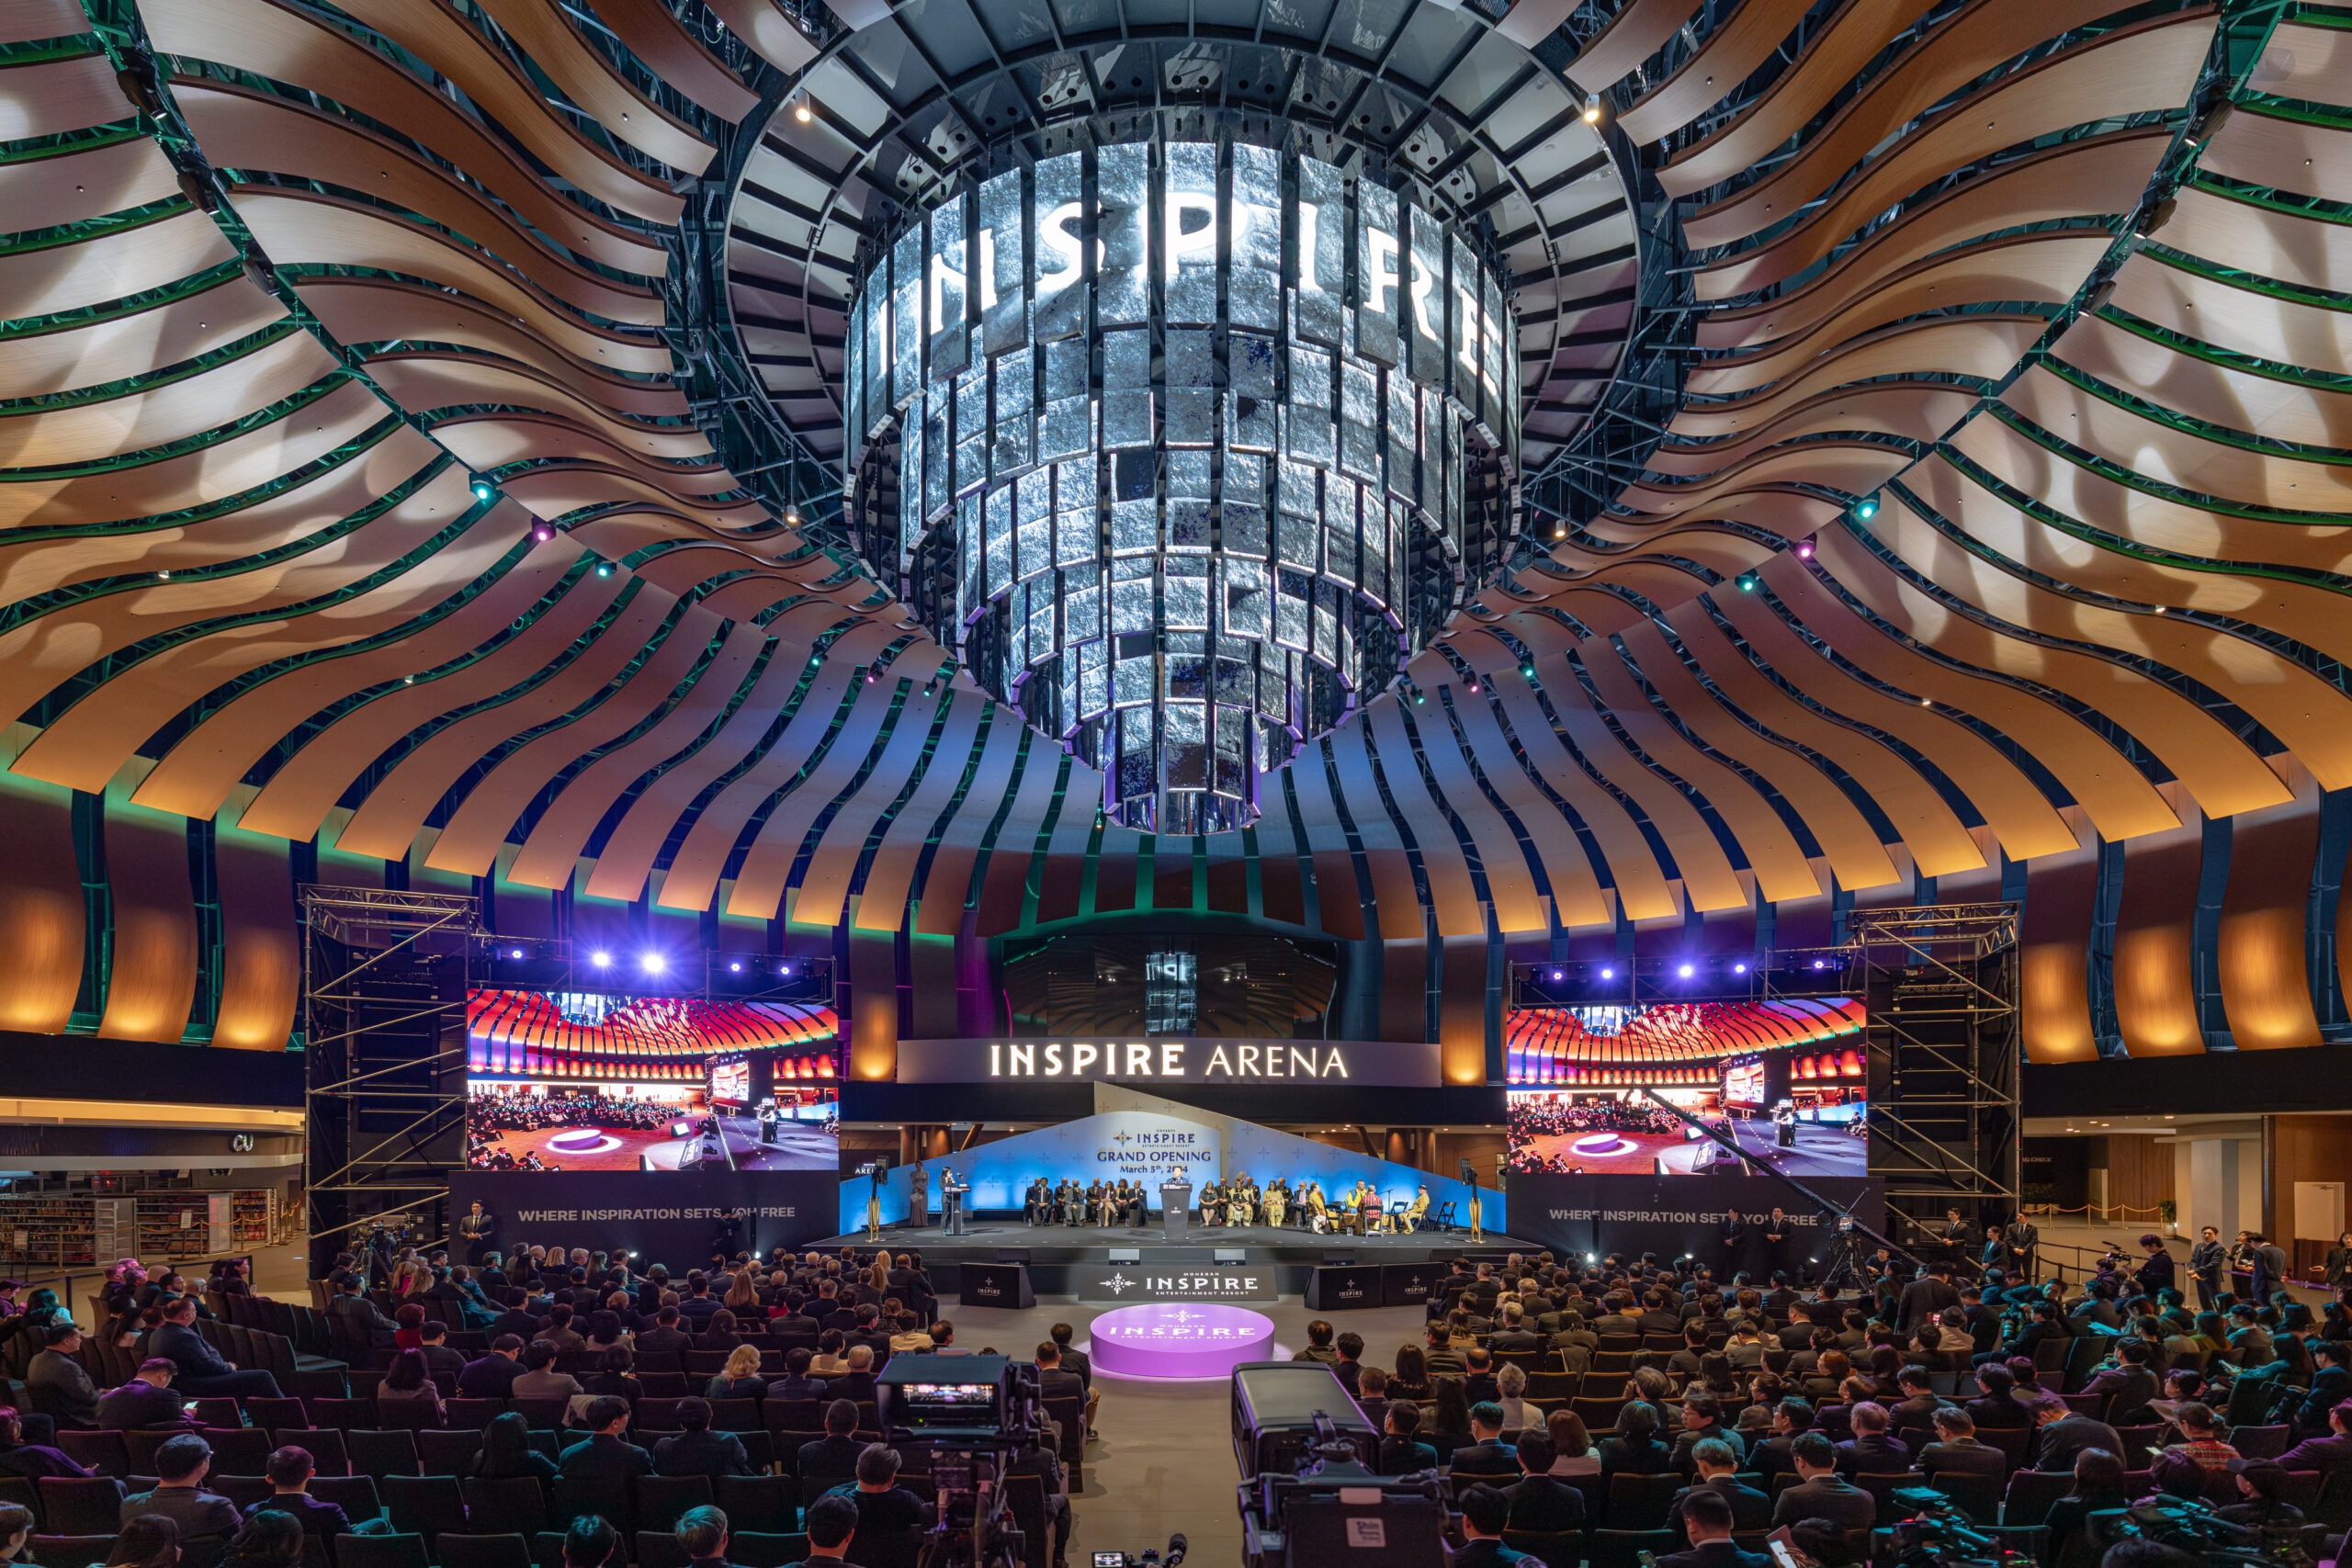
(1400, 1452)
(1539, 1500)
(1870, 1450)
(699, 1450)
(56, 1385)
(702, 1535)
(146, 1401)
(203, 1373)
(593, 1543)
(181, 1465)
(1485, 1454)
(31, 1460)
(289, 1472)
(1956, 1451)
(539, 1380)
(739, 1379)
(1716, 1472)
(506, 1450)
(1486, 1514)
(604, 1455)
(1820, 1492)
(835, 1454)
(1572, 1450)
(1706, 1521)
(830, 1523)
(151, 1540)
(2323, 1454)
(884, 1508)
(268, 1537)
(796, 1383)
(492, 1375)
(408, 1390)
(2066, 1541)
(2194, 1466)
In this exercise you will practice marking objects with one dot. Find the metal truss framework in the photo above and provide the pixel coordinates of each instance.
(1940, 981)
(385, 975)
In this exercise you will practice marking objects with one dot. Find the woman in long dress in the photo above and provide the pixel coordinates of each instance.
(1276, 1202)
(1318, 1212)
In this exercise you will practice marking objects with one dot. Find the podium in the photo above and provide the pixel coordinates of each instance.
(951, 1205)
(1175, 1208)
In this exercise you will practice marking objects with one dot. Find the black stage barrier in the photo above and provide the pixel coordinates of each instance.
(1343, 1287)
(1410, 1284)
(675, 1217)
(996, 1285)
(1724, 1222)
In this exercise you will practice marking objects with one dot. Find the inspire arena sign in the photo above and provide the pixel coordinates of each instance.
(1386, 1063)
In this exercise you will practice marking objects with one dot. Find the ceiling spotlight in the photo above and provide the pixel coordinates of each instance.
(542, 533)
(653, 964)
(1866, 507)
(513, 953)
(792, 514)
(604, 569)
(601, 959)
(484, 487)
(1473, 686)
(1608, 974)
(1558, 975)
(1684, 971)
(735, 966)
(1747, 581)
(801, 111)
(1419, 697)
(1592, 109)
(1805, 549)
(1739, 968)
(1528, 670)
(784, 968)
(1821, 963)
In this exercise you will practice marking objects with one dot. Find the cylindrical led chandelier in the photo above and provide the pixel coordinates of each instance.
(1182, 446)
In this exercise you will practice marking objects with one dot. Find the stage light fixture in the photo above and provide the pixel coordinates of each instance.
(601, 960)
(513, 953)
(735, 968)
(802, 112)
(1747, 581)
(1739, 968)
(653, 964)
(1821, 963)
(485, 489)
(542, 533)
(604, 569)
(1592, 109)
(1608, 974)
(784, 968)
(1558, 975)
(1805, 549)
(1528, 670)
(1684, 971)
(1866, 507)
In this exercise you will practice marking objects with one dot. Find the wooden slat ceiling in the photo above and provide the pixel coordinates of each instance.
(2085, 346)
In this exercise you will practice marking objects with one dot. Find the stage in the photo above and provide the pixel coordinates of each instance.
(1056, 1253)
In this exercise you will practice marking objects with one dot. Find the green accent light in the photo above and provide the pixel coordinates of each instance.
(1866, 507)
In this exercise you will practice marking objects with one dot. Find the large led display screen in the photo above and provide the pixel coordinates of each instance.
(577, 1081)
(1783, 1081)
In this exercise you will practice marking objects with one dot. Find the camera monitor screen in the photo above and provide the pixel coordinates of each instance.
(1782, 1079)
(589, 1081)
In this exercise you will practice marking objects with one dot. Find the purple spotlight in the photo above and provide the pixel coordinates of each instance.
(1608, 974)
(784, 968)
(1558, 975)
(1739, 968)
(513, 953)
(735, 966)
(1684, 971)
(601, 960)
(1821, 963)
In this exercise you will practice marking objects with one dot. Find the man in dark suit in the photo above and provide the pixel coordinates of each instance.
(493, 1376)
(1348, 1368)
(2129, 1384)
(1820, 1492)
(1923, 1299)
(181, 1464)
(666, 1338)
(1792, 1419)
(145, 1401)
(1478, 1386)
(1486, 1514)
(830, 1523)
(1616, 1320)
(1400, 1452)
(605, 1457)
(2064, 1435)
(1657, 1316)
(57, 1384)
(2331, 1386)
(1956, 1451)
(1706, 1519)
(1485, 1454)
(1703, 1420)
(290, 1474)
(702, 1535)
(699, 1450)
(518, 1319)
(202, 1372)
(1915, 1414)
(442, 1364)
(1538, 1500)
(835, 1455)
(1870, 1451)
(1718, 1475)
(2323, 1454)
(1514, 1334)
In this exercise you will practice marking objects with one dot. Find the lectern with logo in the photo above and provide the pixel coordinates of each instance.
(1175, 1206)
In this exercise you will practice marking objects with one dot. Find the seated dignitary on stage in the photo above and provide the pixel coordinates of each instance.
(1037, 1207)
(1212, 1204)
(1277, 1204)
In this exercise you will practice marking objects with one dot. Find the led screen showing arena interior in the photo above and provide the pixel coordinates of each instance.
(588, 1081)
(1783, 1079)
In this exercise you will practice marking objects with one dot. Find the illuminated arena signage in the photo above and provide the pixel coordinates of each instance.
(1169, 1060)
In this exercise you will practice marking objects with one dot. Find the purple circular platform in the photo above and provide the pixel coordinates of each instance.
(582, 1140)
(1180, 1339)
(1601, 1144)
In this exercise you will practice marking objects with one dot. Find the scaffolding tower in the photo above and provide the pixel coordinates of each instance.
(1941, 984)
(385, 973)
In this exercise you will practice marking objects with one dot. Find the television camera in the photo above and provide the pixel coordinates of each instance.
(1150, 1557)
(1310, 1497)
(982, 1421)
(1939, 1534)
(2189, 1525)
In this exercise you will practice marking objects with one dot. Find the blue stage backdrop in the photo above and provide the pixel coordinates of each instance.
(1141, 1146)
(1144, 1144)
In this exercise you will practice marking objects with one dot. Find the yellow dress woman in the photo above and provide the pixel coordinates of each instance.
(1276, 1205)
(1318, 1212)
